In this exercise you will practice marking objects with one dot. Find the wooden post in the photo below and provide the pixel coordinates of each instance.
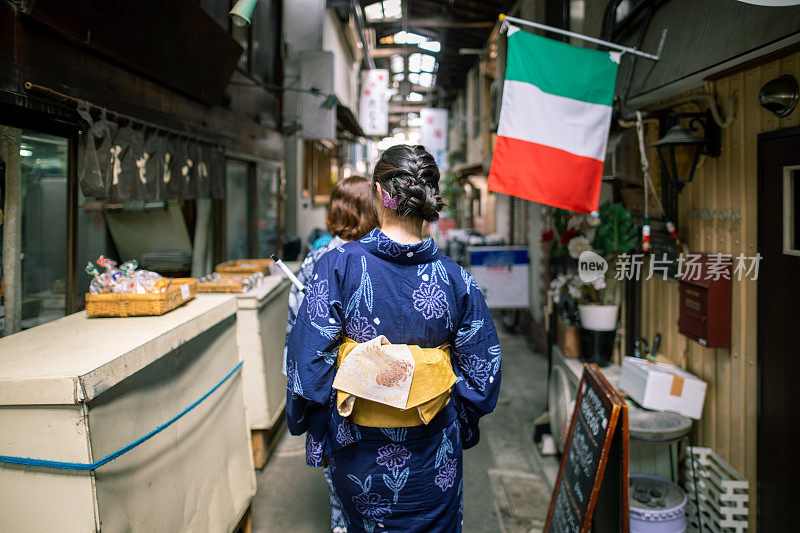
(12, 230)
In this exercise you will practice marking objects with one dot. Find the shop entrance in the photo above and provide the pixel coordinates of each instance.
(778, 344)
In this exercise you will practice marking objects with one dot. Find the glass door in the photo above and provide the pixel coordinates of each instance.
(43, 245)
(268, 209)
(238, 208)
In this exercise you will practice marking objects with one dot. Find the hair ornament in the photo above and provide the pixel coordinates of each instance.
(389, 201)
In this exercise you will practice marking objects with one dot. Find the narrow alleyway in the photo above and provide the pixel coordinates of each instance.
(503, 485)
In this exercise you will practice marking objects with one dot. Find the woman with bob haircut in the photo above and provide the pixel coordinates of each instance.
(392, 361)
(350, 216)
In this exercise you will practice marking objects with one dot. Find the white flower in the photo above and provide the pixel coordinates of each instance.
(599, 283)
(594, 219)
(577, 246)
(575, 292)
(575, 221)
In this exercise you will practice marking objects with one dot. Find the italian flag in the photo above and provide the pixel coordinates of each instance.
(554, 122)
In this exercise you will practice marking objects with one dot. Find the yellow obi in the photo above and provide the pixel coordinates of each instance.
(429, 390)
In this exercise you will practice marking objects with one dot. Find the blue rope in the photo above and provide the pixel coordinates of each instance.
(27, 461)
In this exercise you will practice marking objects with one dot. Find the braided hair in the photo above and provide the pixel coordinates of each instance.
(410, 175)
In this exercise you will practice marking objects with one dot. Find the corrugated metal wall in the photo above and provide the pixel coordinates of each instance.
(730, 181)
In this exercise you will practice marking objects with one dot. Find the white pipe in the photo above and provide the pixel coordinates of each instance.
(590, 39)
(288, 273)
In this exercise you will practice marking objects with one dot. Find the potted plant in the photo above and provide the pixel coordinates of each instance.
(616, 234)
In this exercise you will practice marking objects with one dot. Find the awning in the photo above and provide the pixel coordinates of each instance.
(468, 169)
(346, 121)
(695, 48)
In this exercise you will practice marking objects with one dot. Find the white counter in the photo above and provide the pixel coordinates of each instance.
(79, 388)
(77, 358)
(261, 336)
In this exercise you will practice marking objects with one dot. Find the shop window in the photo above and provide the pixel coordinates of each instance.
(238, 209)
(252, 209)
(476, 103)
(43, 189)
(321, 170)
(268, 209)
(92, 241)
(791, 210)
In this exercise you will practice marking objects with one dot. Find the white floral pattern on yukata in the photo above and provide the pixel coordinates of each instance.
(313, 452)
(360, 330)
(478, 370)
(372, 506)
(430, 300)
(447, 466)
(389, 247)
(317, 299)
(347, 433)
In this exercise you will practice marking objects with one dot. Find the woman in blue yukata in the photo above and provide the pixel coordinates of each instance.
(391, 417)
(350, 215)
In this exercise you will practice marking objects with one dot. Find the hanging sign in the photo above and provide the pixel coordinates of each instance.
(434, 129)
(373, 113)
(593, 478)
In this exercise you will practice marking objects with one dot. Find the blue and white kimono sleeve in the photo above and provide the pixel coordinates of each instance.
(477, 361)
(311, 358)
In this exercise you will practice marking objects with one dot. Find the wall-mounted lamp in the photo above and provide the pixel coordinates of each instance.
(242, 12)
(779, 95)
(680, 149)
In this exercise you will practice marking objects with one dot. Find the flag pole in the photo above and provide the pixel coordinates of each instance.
(654, 57)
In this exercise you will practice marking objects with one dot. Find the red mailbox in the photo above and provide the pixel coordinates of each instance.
(705, 300)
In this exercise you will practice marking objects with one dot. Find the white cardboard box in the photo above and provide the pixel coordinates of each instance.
(663, 387)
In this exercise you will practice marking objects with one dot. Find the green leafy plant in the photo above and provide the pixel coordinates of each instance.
(617, 233)
(452, 189)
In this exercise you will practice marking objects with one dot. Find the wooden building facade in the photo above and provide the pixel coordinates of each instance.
(175, 73)
(727, 184)
(724, 210)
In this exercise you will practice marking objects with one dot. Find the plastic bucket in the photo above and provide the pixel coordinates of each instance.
(656, 505)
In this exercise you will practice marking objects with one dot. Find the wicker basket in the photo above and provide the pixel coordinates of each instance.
(244, 266)
(221, 286)
(191, 282)
(568, 338)
(152, 304)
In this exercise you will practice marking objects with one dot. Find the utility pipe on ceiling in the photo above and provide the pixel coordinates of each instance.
(358, 15)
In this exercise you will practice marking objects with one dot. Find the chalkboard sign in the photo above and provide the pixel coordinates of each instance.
(595, 461)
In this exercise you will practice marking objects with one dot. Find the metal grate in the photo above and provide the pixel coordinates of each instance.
(721, 491)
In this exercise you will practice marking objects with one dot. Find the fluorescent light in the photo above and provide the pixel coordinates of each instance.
(25, 153)
(428, 63)
(397, 63)
(374, 11)
(426, 79)
(407, 37)
(415, 62)
(431, 46)
(415, 97)
(392, 9)
(388, 9)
